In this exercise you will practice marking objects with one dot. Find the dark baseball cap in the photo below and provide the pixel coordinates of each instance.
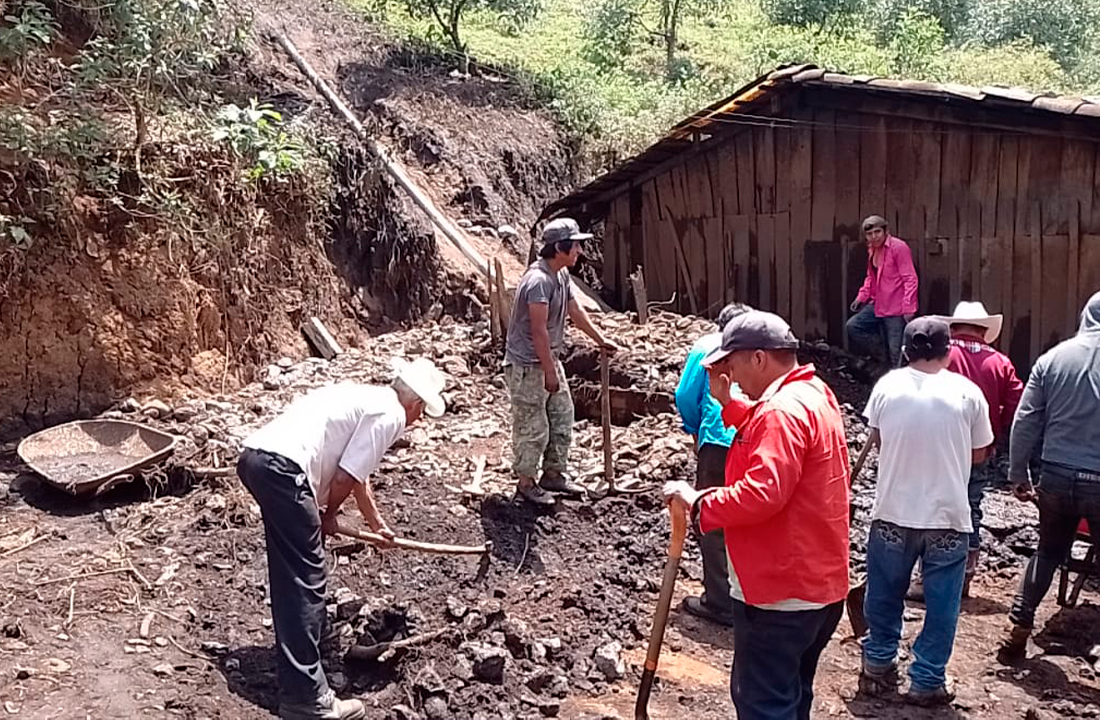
(753, 330)
(875, 221)
(927, 337)
(563, 229)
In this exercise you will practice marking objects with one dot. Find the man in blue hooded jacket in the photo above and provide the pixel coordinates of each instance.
(702, 417)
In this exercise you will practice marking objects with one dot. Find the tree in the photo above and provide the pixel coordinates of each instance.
(613, 25)
(447, 16)
(1063, 26)
(804, 13)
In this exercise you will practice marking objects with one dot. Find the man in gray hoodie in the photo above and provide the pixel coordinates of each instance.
(1061, 408)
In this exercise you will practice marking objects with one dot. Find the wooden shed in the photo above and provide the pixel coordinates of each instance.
(758, 198)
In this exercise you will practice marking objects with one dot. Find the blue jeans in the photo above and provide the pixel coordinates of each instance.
(975, 491)
(873, 335)
(891, 553)
(775, 656)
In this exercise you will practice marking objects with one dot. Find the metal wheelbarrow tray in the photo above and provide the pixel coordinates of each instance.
(84, 456)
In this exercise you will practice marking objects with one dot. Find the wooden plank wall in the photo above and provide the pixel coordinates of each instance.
(770, 216)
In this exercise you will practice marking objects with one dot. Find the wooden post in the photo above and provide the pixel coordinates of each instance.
(605, 419)
(321, 338)
(502, 309)
(641, 302)
(494, 326)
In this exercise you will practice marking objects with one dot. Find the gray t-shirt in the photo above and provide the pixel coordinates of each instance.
(538, 285)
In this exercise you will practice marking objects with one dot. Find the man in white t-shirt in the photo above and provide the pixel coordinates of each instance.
(301, 467)
(934, 424)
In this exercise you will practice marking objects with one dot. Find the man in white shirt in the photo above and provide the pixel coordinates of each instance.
(301, 467)
(934, 424)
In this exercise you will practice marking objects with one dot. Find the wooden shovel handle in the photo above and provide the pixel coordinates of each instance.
(660, 616)
(403, 544)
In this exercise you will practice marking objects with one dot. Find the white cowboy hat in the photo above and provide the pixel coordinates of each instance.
(424, 379)
(974, 313)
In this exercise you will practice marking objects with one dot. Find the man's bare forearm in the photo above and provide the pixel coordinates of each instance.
(583, 322)
(540, 337)
(368, 507)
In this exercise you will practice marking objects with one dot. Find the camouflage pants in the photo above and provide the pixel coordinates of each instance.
(542, 424)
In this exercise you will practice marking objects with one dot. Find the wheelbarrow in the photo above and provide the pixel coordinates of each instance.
(88, 457)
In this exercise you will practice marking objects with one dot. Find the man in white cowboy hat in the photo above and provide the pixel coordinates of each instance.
(973, 332)
(301, 467)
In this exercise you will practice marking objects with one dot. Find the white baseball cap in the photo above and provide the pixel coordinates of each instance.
(424, 379)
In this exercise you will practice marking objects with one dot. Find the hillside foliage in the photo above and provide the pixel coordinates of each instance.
(619, 72)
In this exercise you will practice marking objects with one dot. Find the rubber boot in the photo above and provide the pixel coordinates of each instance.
(1014, 648)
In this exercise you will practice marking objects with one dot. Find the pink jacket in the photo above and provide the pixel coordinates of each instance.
(893, 287)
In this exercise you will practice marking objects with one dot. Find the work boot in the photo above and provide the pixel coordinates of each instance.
(942, 695)
(530, 491)
(874, 682)
(700, 608)
(1014, 648)
(327, 707)
(972, 556)
(557, 482)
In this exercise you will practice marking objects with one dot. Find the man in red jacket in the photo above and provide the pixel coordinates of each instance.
(784, 511)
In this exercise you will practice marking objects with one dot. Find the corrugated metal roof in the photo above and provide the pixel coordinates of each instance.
(683, 136)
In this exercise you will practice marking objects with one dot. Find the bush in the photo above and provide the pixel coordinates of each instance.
(1067, 27)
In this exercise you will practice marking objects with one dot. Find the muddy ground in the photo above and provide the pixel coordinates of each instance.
(153, 605)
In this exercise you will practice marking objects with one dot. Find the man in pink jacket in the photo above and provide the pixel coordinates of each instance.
(888, 298)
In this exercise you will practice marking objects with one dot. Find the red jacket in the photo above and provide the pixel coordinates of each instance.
(784, 508)
(993, 373)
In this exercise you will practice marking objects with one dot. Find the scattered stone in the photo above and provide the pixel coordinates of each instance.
(112, 415)
(428, 682)
(347, 604)
(456, 609)
(517, 637)
(163, 670)
(22, 673)
(200, 434)
(489, 661)
(337, 681)
(232, 664)
(404, 712)
(609, 661)
(285, 363)
(186, 412)
(156, 409)
(507, 231)
(435, 708)
(461, 669)
(130, 405)
(465, 224)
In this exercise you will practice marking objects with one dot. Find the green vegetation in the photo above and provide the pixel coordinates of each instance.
(619, 72)
(94, 112)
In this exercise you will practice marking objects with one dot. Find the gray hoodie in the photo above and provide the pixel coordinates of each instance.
(1061, 403)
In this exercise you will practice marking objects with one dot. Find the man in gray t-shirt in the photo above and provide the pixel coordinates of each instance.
(542, 408)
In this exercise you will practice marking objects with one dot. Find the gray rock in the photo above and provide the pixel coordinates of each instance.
(285, 363)
(462, 669)
(456, 609)
(488, 660)
(517, 637)
(464, 223)
(186, 412)
(609, 661)
(507, 231)
(337, 681)
(130, 405)
(156, 409)
(113, 415)
(435, 708)
(404, 712)
(428, 682)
